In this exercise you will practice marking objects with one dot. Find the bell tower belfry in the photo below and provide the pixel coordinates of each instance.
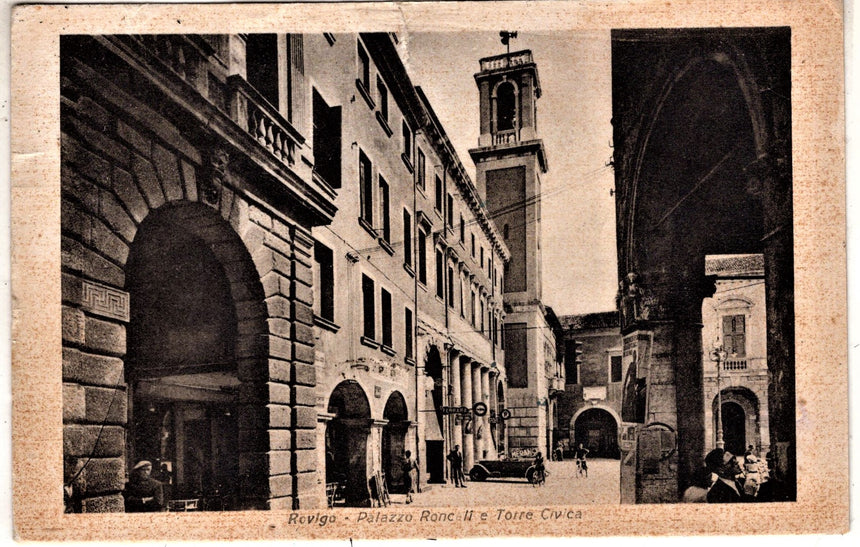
(509, 161)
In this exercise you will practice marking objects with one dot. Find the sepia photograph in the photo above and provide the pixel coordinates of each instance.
(420, 275)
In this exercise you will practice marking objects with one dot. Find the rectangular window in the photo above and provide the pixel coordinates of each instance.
(473, 244)
(462, 230)
(363, 68)
(383, 98)
(261, 62)
(408, 332)
(367, 293)
(515, 343)
(734, 335)
(450, 211)
(571, 357)
(440, 274)
(450, 287)
(473, 316)
(386, 318)
(407, 238)
(422, 256)
(439, 201)
(326, 140)
(365, 183)
(462, 298)
(324, 259)
(383, 210)
(482, 258)
(483, 328)
(420, 168)
(615, 368)
(407, 142)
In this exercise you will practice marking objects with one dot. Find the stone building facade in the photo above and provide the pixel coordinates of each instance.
(734, 319)
(187, 207)
(407, 310)
(590, 407)
(509, 160)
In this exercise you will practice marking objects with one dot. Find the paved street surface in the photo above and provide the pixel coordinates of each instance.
(562, 488)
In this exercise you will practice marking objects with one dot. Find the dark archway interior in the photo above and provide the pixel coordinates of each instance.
(734, 428)
(692, 181)
(346, 441)
(180, 363)
(506, 107)
(597, 430)
(394, 440)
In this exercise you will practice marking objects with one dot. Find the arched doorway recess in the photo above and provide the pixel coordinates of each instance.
(394, 441)
(597, 430)
(186, 273)
(434, 441)
(346, 441)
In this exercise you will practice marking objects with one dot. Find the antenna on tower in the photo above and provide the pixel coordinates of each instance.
(506, 36)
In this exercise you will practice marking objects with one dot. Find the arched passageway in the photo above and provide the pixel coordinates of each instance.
(740, 416)
(597, 430)
(394, 441)
(181, 362)
(346, 441)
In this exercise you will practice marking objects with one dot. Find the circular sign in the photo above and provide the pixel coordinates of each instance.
(479, 408)
(506, 414)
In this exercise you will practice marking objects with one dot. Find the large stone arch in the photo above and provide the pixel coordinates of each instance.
(607, 444)
(701, 123)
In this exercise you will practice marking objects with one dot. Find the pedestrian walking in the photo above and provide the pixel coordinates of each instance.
(456, 460)
(559, 452)
(410, 467)
(580, 455)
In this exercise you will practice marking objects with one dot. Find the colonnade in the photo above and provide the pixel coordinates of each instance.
(472, 382)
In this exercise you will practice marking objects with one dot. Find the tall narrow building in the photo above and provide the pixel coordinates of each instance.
(509, 161)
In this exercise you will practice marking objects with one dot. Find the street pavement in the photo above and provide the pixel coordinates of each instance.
(563, 487)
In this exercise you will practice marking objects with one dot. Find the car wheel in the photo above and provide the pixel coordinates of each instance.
(477, 474)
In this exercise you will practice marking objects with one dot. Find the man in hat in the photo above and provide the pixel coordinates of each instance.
(142, 493)
(726, 489)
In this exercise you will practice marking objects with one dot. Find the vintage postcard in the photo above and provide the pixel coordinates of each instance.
(390, 270)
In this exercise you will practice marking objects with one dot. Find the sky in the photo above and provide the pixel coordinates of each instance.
(574, 112)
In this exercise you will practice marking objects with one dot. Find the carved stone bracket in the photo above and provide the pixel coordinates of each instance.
(210, 185)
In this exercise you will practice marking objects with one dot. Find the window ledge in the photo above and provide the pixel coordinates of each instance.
(386, 246)
(367, 226)
(326, 324)
(388, 350)
(420, 190)
(440, 299)
(407, 162)
(369, 342)
(422, 285)
(384, 124)
(409, 361)
(409, 269)
(365, 94)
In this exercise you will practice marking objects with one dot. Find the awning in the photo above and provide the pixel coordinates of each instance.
(432, 429)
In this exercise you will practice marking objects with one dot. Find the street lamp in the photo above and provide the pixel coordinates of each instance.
(718, 354)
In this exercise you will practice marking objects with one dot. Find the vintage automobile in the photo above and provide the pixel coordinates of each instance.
(511, 468)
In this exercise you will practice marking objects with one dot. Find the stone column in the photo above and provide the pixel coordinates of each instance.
(478, 422)
(456, 400)
(485, 396)
(468, 432)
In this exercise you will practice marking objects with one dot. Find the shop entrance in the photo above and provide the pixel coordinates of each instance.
(181, 367)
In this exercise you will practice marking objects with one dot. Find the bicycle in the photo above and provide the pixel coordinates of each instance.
(536, 477)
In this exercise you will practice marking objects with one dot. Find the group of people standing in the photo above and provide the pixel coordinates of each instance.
(725, 480)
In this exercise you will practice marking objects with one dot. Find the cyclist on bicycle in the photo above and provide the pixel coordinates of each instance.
(540, 471)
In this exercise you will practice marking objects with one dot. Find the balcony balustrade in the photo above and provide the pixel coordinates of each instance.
(504, 137)
(506, 61)
(262, 121)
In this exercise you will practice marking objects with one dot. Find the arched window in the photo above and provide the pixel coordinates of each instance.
(506, 107)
